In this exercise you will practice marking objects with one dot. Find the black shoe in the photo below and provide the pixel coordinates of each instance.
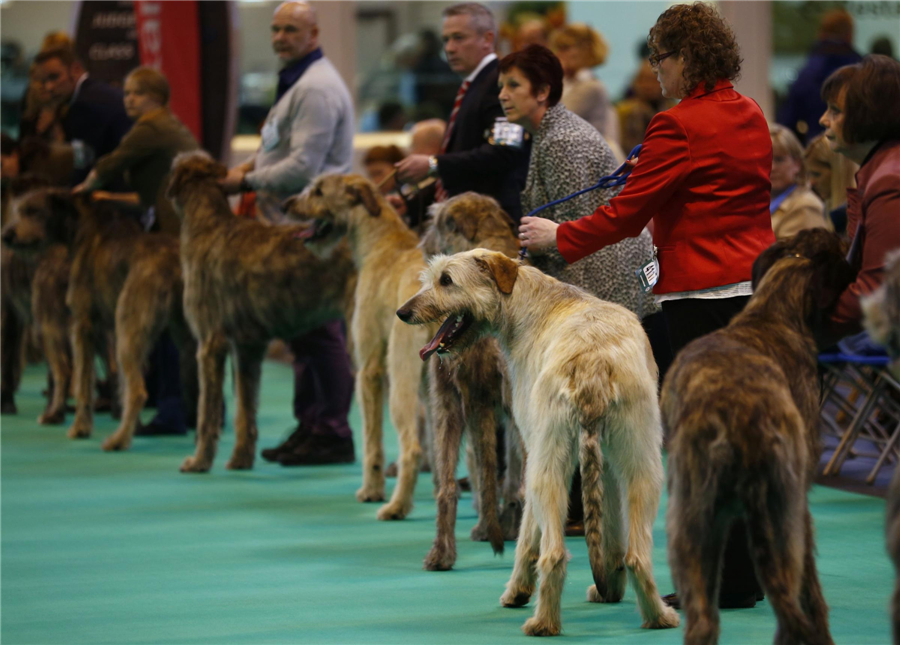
(464, 484)
(297, 438)
(321, 450)
(726, 601)
(157, 429)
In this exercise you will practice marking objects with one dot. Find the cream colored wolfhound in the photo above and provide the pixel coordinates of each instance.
(584, 386)
(385, 254)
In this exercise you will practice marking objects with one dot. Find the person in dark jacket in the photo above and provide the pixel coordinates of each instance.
(834, 49)
(470, 157)
(93, 116)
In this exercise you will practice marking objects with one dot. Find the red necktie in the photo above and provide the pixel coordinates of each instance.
(440, 193)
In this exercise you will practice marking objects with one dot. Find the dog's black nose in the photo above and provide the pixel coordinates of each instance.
(9, 237)
(404, 314)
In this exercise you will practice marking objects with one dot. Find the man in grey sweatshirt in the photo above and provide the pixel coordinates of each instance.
(308, 132)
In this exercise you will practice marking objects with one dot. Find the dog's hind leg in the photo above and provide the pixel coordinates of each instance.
(604, 525)
(83, 359)
(481, 421)
(56, 349)
(548, 475)
(248, 370)
(811, 599)
(211, 355)
(447, 416)
(405, 372)
(696, 547)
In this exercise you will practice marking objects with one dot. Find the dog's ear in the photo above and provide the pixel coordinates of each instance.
(464, 224)
(833, 274)
(363, 193)
(502, 269)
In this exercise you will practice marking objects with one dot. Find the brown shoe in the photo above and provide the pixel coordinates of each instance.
(320, 450)
(296, 439)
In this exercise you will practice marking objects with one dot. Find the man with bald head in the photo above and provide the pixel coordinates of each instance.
(308, 132)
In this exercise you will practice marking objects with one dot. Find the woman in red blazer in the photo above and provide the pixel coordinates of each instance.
(703, 178)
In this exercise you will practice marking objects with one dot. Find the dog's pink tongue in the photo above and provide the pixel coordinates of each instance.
(306, 233)
(429, 349)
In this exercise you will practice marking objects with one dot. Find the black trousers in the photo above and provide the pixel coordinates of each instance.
(687, 320)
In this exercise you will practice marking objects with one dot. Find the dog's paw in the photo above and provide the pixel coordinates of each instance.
(667, 619)
(479, 532)
(79, 431)
(116, 442)
(8, 407)
(515, 598)
(240, 461)
(393, 511)
(535, 627)
(391, 470)
(193, 465)
(367, 494)
(52, 417)
(439, 559)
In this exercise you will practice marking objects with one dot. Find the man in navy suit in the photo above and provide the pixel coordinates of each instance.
(94, 119)
(470, 157)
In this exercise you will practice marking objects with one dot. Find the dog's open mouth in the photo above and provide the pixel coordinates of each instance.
(443, 341)
(318, 230)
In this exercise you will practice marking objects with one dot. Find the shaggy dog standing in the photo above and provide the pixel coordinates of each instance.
(882, 318)
(742, 408)
(385, 254)
(245, 283)
(35, 277)
(583, 378)
(123, 280)
(469, 393)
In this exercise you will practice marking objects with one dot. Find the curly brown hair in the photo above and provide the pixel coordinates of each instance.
(703, 38)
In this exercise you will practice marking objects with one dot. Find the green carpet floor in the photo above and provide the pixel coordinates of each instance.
(122, 548)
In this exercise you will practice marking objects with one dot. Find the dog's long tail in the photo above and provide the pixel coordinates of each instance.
(591, 461)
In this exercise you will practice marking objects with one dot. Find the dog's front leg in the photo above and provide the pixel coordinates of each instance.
(248, 368)
(448, 424)
(370, 391)
(83, 358)
(211, 364)
(56, 349)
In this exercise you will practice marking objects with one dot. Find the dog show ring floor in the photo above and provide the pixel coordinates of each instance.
(122, 548)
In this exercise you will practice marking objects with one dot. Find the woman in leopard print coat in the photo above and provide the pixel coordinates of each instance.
(567, 155)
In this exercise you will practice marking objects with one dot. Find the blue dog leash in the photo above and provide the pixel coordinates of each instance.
(617, 178)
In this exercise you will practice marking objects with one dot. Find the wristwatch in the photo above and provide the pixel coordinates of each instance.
(432, 166)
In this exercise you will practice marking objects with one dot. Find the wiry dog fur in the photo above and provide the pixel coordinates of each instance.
(584, 379)
(122, 281)
(388, 261)
(35, 276)
(741, 407)
(469, 393)
(882, 318)
(245, 283)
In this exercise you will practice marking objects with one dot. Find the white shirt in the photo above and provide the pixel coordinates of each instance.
(484, 61)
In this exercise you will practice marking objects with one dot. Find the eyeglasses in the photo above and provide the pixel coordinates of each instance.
(656, 58)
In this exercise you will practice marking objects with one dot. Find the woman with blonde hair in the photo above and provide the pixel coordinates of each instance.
(830, 175)
(794, 206)
(581, 48)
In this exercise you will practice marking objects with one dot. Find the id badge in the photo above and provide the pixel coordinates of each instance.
(82, 155)
(507, 134)
(270, 134)
(648, 274)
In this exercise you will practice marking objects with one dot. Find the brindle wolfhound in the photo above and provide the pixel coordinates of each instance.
(386, 255)
(469, 393)
(245, 283)
(35, 277)
(882, 318)
(122, 280)
(582, 375)
(742, 406)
